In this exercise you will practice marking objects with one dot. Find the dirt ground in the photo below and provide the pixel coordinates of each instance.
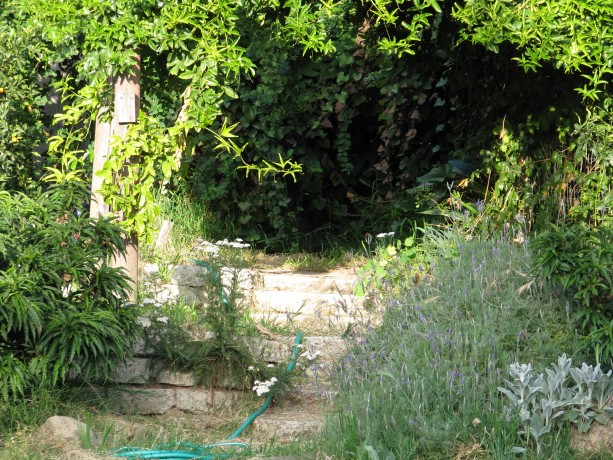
(280, 425)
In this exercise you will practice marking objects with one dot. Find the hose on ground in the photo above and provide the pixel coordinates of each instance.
(205, 451)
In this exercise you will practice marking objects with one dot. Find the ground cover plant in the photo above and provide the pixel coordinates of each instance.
(208, 338)
(426, 383)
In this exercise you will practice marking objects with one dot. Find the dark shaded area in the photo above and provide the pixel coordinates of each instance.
(365, 126)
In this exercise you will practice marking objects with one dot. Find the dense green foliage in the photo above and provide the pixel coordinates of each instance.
(368, 97)
(396, 110)
(579, 260)
(572, 35)
(61, 304)
(23, 84)
(368, 126)
(352, 118)
(189, 59)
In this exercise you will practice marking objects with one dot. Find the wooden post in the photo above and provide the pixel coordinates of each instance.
(102, 139)
(126, 107)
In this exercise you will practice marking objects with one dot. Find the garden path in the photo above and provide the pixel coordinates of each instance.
(323, 306)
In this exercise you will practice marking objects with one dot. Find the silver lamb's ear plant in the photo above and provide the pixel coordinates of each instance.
(599, 385)
(557, 375)
(594, 389)
(522, 389)
(602, 393)
(522, 393)
(537, 429)
(579, 395)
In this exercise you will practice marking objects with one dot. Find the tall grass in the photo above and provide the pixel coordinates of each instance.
(192, 220)
(44, 401)
(424, 383)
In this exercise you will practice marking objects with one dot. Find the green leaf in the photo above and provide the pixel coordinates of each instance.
(230, 92)
(600, 418)
(584, 425)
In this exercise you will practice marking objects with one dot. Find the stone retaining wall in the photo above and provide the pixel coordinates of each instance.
(146, 387)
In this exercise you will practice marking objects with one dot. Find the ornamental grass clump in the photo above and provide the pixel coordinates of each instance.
(209, 338)
(424, 384)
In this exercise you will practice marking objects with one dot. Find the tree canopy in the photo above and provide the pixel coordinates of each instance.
(388, 105)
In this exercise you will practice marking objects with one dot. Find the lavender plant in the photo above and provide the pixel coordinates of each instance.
(424, 383)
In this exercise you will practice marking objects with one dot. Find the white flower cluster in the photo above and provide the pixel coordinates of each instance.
(154, 302)
(237, 243)
(151, 269)
(310, 356)
(157, 305)
(385, 235)
(264, 387)
(213, 248)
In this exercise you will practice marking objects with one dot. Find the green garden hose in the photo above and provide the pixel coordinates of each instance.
(173, 452)
(264, 406)
(205, 451)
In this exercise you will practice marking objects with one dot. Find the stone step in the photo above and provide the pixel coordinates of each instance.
(326, 313)
(337, 282)
(290, 422)
(159, 400)
(304, 302)
(277, 290)
(330, 324)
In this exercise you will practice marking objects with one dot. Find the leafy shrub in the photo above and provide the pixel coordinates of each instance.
(211, 340)
(23, 85)
(392, 264)
(62, 305)
(352, 118)
(579, 259)
(217, 341)
(373, 129)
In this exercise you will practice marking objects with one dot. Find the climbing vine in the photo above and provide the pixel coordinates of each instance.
(192, 49)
